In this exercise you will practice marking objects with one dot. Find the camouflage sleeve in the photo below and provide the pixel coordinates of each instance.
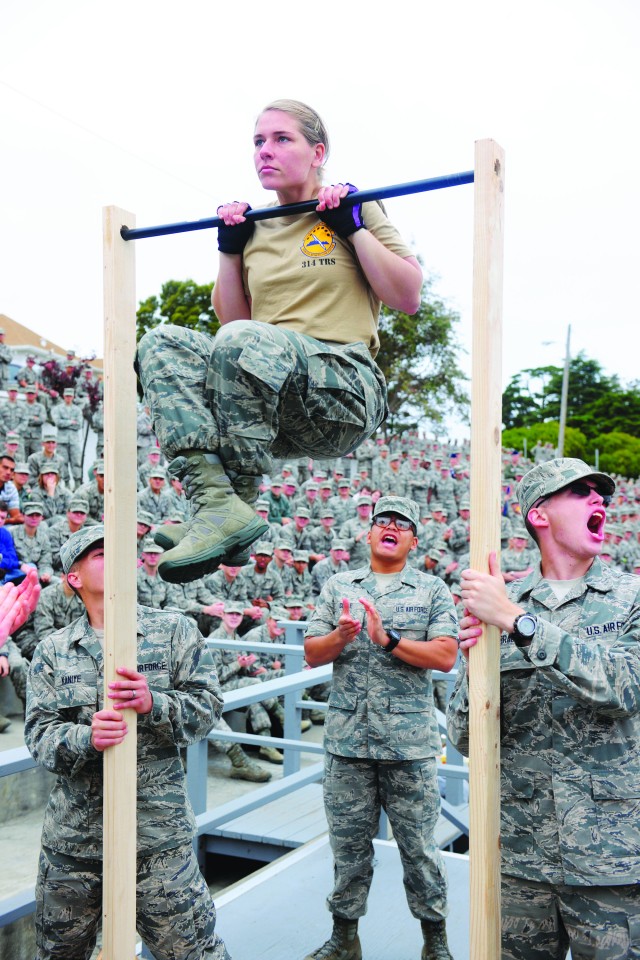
(325, 617)
(278, 586)
(443, 620)
(225, 670)
(189, 711)
(43, 622)
(458, 712)
(45, 563)
(58, 744)
(598, 673)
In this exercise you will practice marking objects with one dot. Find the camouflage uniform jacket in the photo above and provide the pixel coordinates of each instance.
(222, 589)
(381, 708)
(89, 492)
(65, 688)
(570, 742)
(12, 416)
(55, 610)
(261, 586)
(36, 549)
(152, 589)
(190, 598)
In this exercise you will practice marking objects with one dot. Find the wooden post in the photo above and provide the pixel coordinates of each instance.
(120, 454)
(486, 452)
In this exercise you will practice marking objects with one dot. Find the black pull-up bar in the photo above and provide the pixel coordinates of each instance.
(268, 213)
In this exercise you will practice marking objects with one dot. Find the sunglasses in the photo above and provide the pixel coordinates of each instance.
(580, 489)
(386, 519)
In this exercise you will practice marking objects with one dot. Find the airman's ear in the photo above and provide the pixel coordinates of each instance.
(74, 580)
(537, 517)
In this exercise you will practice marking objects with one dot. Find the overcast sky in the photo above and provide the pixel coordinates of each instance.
(151, 106)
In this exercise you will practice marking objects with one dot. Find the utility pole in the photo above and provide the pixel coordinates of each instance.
(565, 394)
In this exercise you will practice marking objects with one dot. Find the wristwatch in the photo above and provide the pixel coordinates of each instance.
(394, 640)
(524, 628)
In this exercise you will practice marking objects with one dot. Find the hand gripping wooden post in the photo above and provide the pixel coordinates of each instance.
(120, 454)
(486, 452)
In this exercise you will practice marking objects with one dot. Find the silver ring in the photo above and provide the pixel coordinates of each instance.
(131, 694)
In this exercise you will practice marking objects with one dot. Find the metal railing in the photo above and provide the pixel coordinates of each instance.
(296, 679)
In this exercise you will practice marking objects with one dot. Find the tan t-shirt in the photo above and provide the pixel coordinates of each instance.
(299, 273)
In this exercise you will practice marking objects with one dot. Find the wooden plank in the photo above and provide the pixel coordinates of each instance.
(119, 840)
(387, 932)
(484, 667)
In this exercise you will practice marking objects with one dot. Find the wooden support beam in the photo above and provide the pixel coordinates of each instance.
(120, 454)
(486, 451)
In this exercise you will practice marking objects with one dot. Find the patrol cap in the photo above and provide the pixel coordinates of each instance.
(49, 468)
(519, 530)
(150, 546)
(290, 482)
(142, 516)
(328, 513)
(21, 467)
(434, 554)
(326, 485)
(293, 602)
(338, 544)
(233, 606)
(78, 505)
(49, 432)
(283, 543)
(276, 483)
(277, 613)
(159, 473)
(262, 505)
(302, 512)
(464, 505)
(312, 485)
(263, 547)
(98, 467)
(403, 506)
(436, 508)
(344, 483)
(301, 556)
(555, 475)
(12, 436)
(364, 500)
(33, 506)
(78, 544)
(69, 392)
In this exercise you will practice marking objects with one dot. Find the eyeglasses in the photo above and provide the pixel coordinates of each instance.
(386, 519)
(581, 489)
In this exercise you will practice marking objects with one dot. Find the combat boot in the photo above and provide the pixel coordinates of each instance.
(169, 535)
(344, 943)
(244, 768)
(435, 947)
(5, 723)
(271, 754)
(277, 712)
(221, 523)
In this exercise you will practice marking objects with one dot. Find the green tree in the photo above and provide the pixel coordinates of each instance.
(182, 302)
(618, 452)
(575, 442)
(535, 394)
(418, 356)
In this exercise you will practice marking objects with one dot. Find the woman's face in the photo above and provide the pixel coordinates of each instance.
(284, 160)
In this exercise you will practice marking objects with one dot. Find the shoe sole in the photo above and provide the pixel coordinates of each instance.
(198, 566)
(239, 558)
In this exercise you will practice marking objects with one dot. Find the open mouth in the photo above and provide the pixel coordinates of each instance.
(390, 539)
(596, 522)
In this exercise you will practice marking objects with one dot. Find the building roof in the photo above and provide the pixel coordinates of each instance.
(18, 335)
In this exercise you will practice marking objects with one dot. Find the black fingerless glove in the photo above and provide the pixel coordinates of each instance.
(344, 220)
(234, 239)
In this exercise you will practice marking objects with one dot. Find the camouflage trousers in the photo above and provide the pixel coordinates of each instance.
(257, 712)
(540, 921)
(354, 792)
(70, 453)
(257, 391)
(175, 915)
